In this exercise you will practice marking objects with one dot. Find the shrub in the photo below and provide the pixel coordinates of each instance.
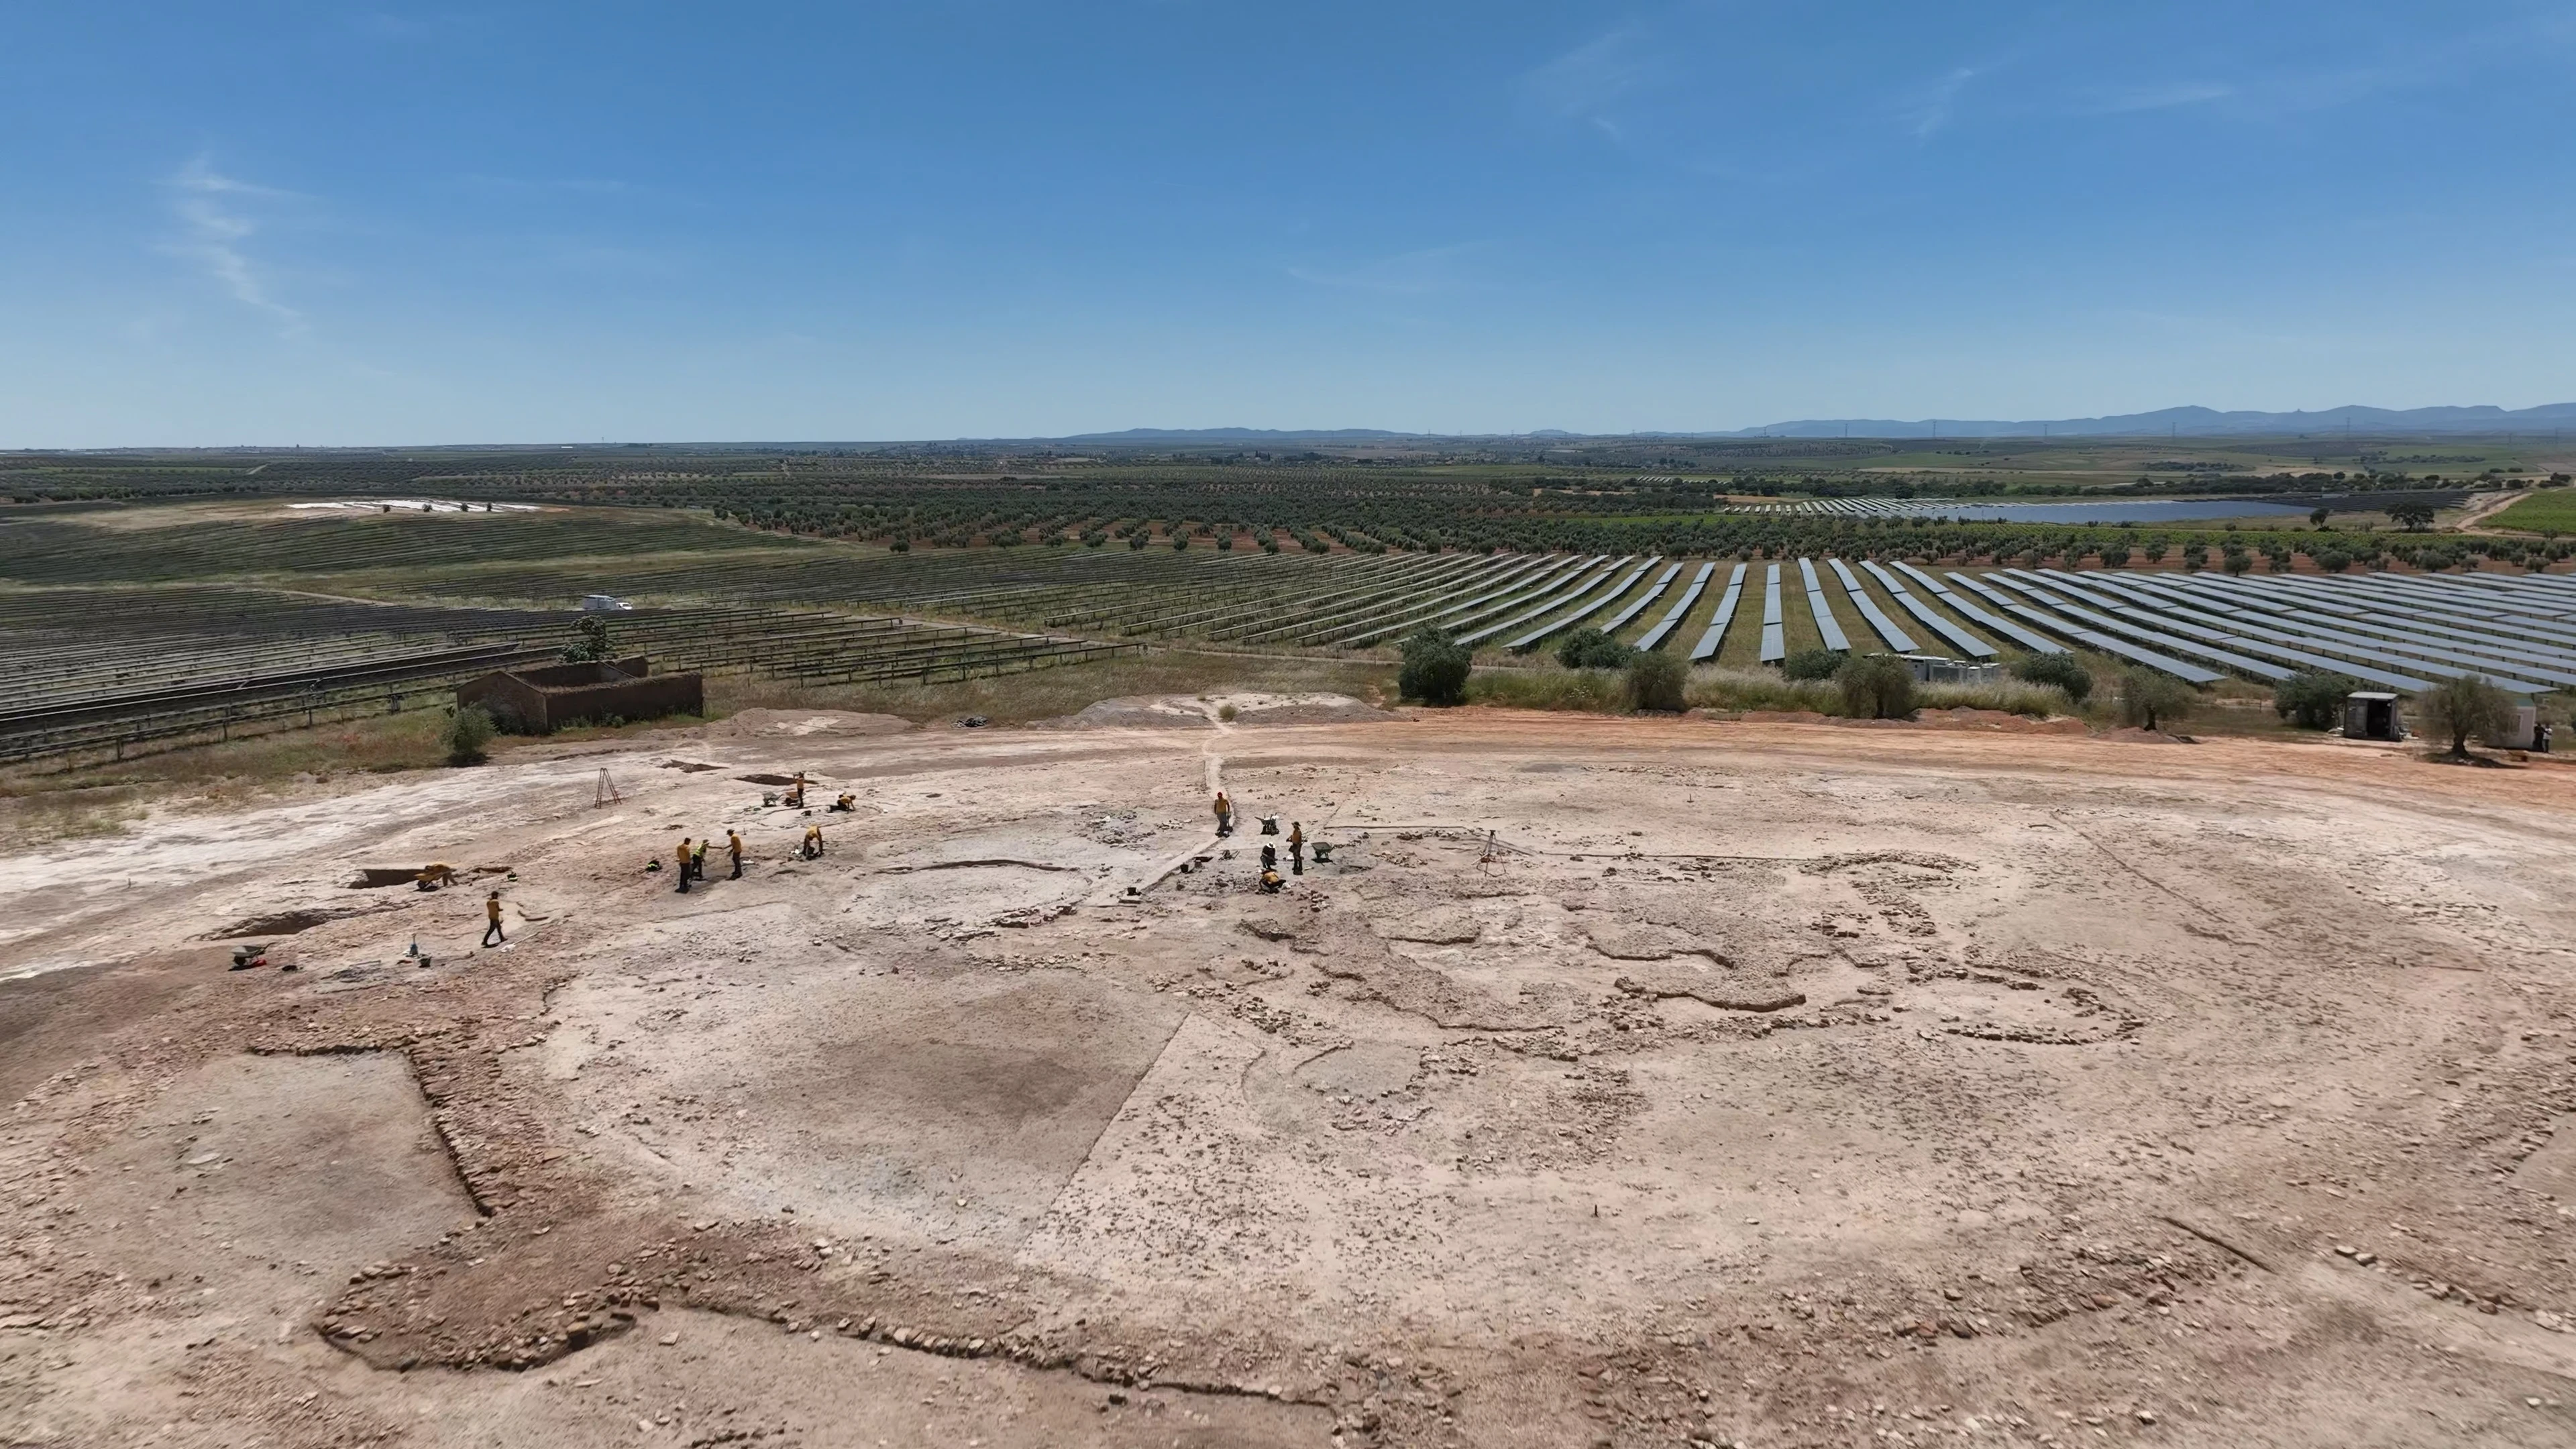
(1227, 713)
(2149, 700)
(1811, 664)
(2035, 700)
(1656, 680)
(1761, 689)
(1876, 686)
(1589, 648)
(1583, 689)
(2061, 670)
(1435, 669)
(2312, 699)
(468, 731)
(592, 644)
(2465, 707)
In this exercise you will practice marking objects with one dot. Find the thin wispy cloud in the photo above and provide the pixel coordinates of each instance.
(213, 211)
(1930, 112)
(1582, 84)
(568, 185)
(1406, 274)
(2162, 97)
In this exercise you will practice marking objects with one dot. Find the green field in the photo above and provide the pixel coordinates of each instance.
(2550, 512)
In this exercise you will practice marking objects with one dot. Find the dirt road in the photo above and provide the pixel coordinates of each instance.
(1617, 1082)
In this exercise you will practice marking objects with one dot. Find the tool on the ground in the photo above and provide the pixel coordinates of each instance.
(247, 957)
(1323, 852)
(605, 793)
(1270, 825)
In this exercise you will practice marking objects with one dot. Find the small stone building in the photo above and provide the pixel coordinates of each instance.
(549, 697)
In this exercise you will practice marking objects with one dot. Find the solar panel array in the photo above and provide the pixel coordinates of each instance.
(1709, 642)
(2405, 632)
(2401, 632)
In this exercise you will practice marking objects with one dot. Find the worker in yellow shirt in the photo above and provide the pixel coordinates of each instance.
(733, 847)
(492, 912)
(680, 858)
(1224, 815)
(813, 846)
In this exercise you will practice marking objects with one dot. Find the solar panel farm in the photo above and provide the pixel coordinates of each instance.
(329, 606)
(1641, 945)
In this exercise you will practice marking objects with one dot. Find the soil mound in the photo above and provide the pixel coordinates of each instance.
(1133, 712)
(795, 724)
(1190, 712)
(1278, 709)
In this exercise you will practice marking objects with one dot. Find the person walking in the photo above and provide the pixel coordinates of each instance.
(492, 913)
(1224, 816)
(1296, 847)
(733, 847)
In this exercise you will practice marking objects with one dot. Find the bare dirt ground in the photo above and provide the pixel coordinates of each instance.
(1618, 1082)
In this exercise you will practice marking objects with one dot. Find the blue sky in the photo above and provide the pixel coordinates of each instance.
(305, 223)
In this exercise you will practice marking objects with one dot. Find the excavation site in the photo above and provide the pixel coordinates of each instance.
(1573, 1080)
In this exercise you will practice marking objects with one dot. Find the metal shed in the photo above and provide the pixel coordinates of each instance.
(2370, 714)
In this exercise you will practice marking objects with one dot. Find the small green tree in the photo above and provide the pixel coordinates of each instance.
(468, 731)
(2150, 701)
(2061, 670)
(1656, 680)
(591, 645)
(2415, 516)
(2463, 708)
(2318, 515)
(2312, 699)
(1811, 664)
(1589, 648)
(1876, 686)
(1435, 668)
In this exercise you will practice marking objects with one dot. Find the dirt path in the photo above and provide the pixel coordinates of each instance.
(1782, 1084)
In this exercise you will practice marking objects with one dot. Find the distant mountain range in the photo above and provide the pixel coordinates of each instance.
(1239, 435)
(2188, 422)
